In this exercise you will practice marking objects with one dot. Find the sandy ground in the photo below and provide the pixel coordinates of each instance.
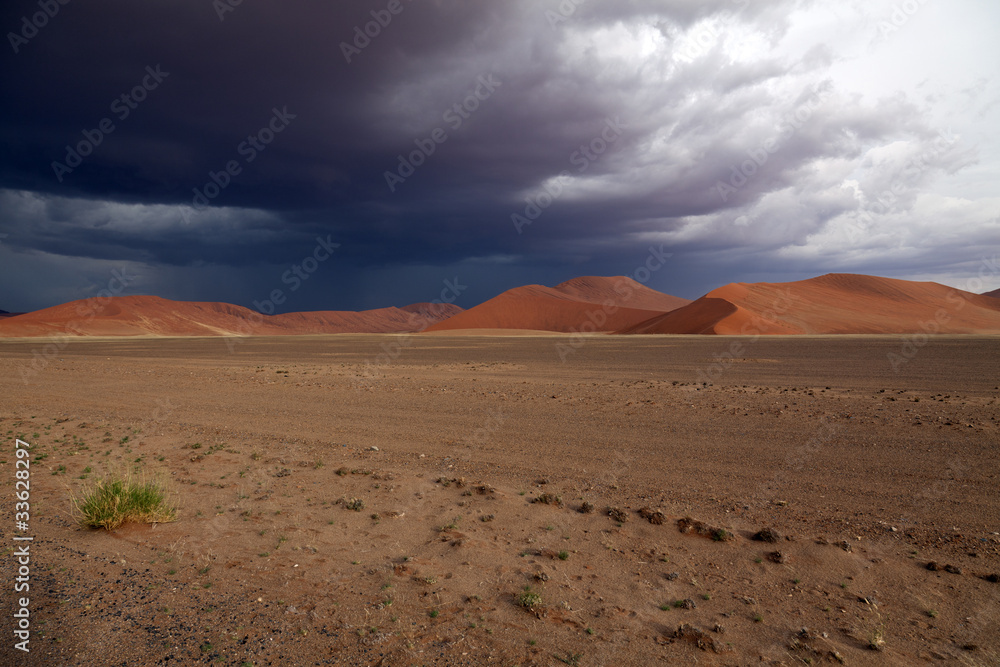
(487, 449)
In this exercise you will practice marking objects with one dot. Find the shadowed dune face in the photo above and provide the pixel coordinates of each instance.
(831, 304)
(153, 316)
(995, 293)
(586, 303)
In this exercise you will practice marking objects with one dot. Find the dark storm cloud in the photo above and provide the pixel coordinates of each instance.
(626, 115)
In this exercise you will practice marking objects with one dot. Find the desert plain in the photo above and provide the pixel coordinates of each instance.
(443, 499)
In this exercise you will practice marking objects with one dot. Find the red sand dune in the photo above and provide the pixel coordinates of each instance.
(995, 293)
(151, 315)
(606, 304)
(836, 303)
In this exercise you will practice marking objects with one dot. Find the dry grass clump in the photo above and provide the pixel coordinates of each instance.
(528, 599)
(655, 517)
(123, 498)
(618, 514)
(689, 525)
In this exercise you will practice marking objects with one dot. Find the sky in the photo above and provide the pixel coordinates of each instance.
(356, 155)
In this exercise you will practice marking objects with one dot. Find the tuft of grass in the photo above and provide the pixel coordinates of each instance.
(434, 613)
(451, 526)
(932, 613)
(876, 641)
(122, 498)
(528, 598)
(355, 504)
(563, 555)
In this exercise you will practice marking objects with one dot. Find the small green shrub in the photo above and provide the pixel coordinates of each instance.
(528, 598)
(355, 504)
(119, 499)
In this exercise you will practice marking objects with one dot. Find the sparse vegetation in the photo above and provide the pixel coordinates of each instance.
(528, 599)
(355, 504)
(617, 514)
(876, 640)
(121, 498)
(549, 499)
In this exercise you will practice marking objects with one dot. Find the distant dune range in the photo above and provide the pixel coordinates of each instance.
(831, 304)
(607, 304)
(151, 315)
(836, 303)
